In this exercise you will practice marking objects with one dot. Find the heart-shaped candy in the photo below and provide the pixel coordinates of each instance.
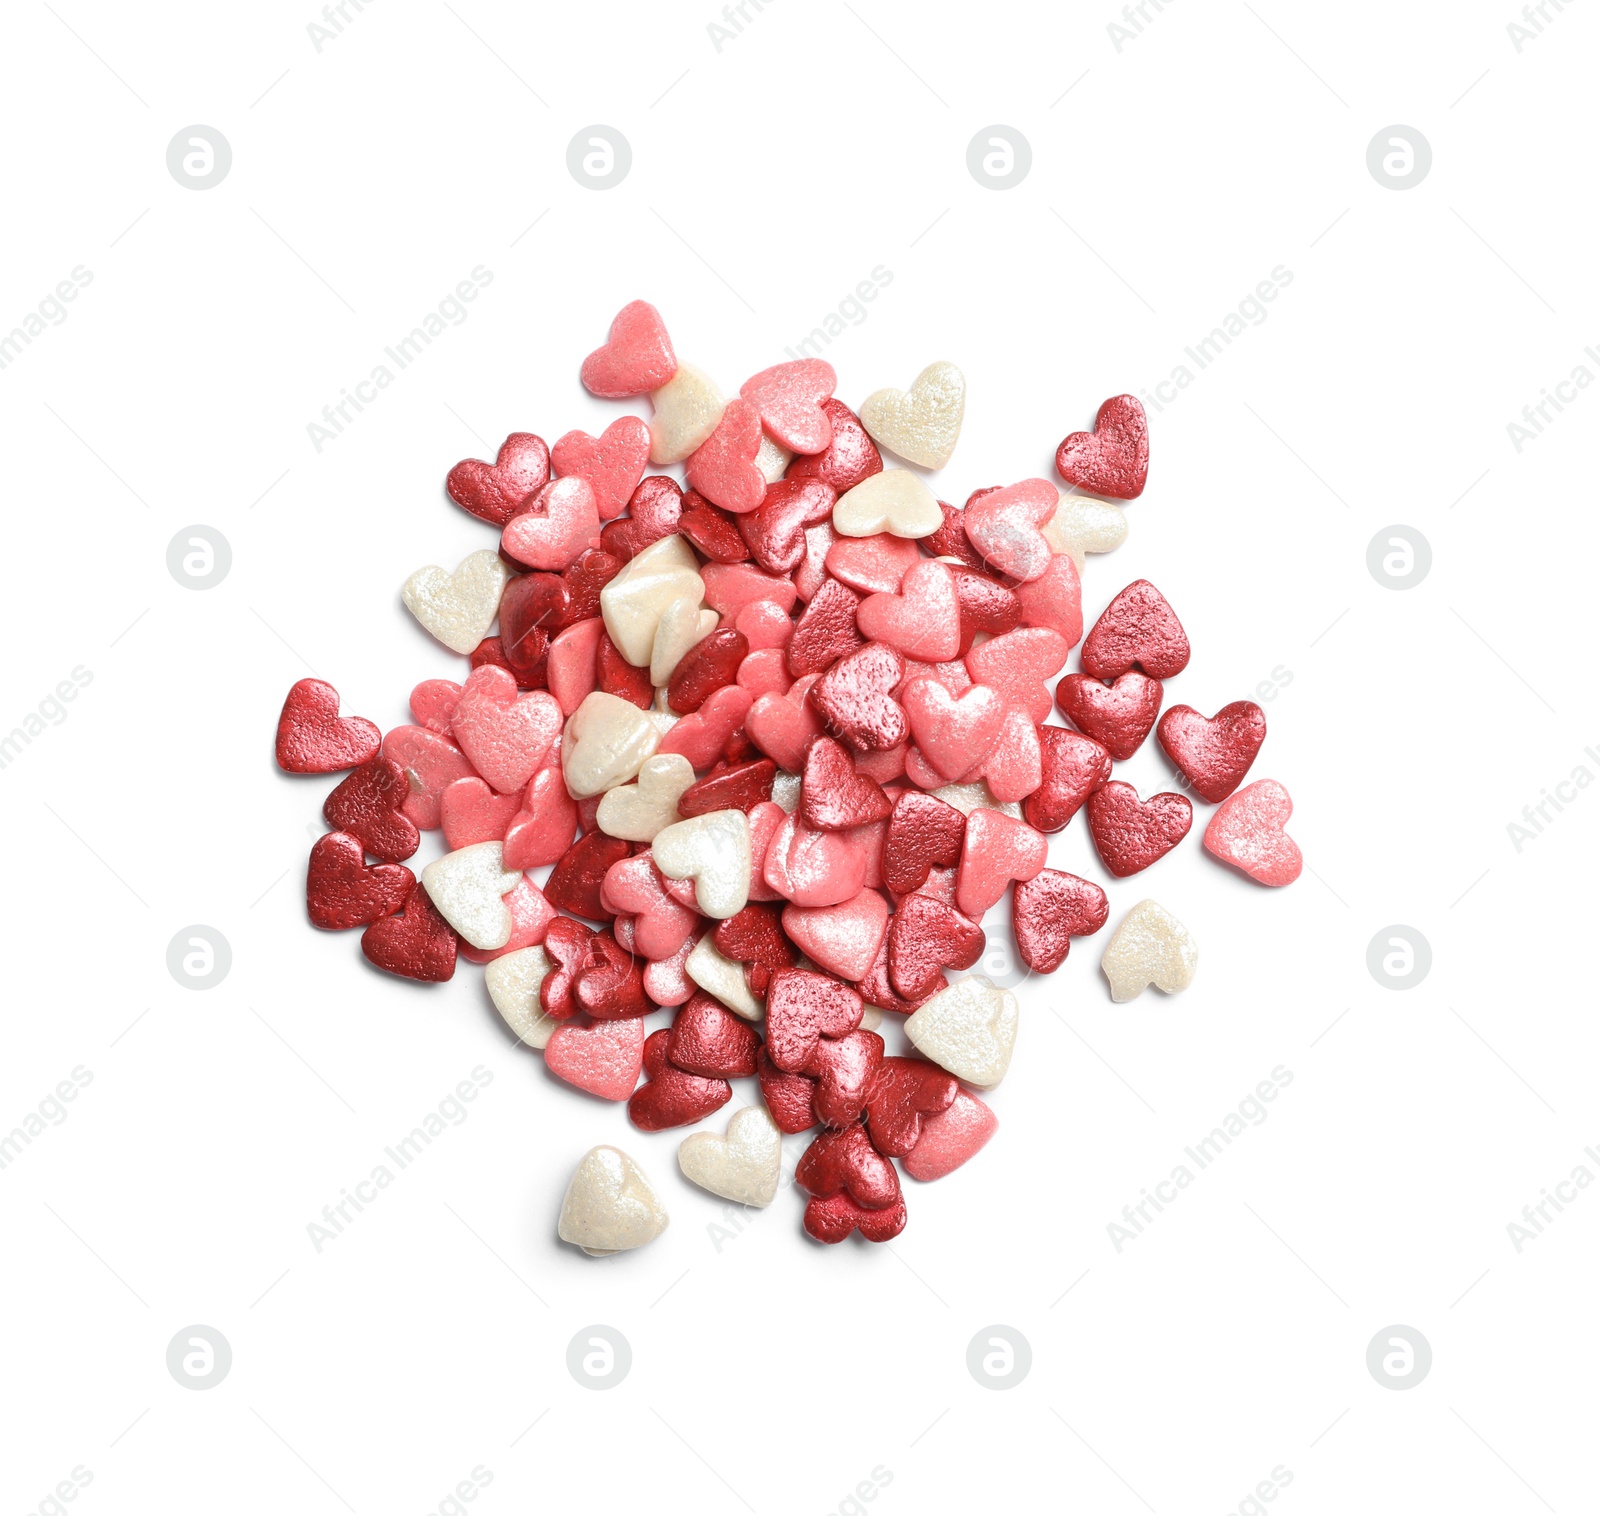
(954, 733)
(367, 803)
(635, 600)
(729, 587)
(836, 1217)
(560, 524)
(1213, 755)
(1151, 946)
(850, 457)
(845, 1069)
(721, 977)
(635, 358)
(506, 735)
(740, 788)
(969, 1030)
(995, 851)
(669, 1097)
(531, 915)
(894, 501)
(416, 944)
(467, 886)
(790, 398)
(803, 1006)
(661, 924)
(710, 665)
(853, 698)
(1004, 524)
(1048, 911)
(1138, 630)
(921, 424)
(1015, 767)
(570, 665)
(923, 833)
(714, 851)
(567, 945)
(638, 811)
(578, 878)
(723, 467)
(741, 1167)
(495, 492)
(787, 1096)
(812, 868)
(876, 990)
(513, 983)
(846, 1160)
(541, 831)
(872, 565)
(433, 702)
(826, 630)
(603, 1059)
(612, 463)
(754, 938)
(1054, 600)
(432, 763)
(843, 938)
(926, 936)
(713, 531)
(951, 1137)
(1247, 831)
(606, 743)
(1083, 525)
(343, 891)
(922, 620)
(1017, 664)
(684, 623)
(833, 796)
(1072, 767)
(776, 532)
(458, 607)
(666, 981)
(1119, 716)
(1129, 833)
(609, 1205)
(469, 811)
(1114, 458)
(708, 1040)
(709, 733)
(906, 1093)
(687, 409)
(654, 510)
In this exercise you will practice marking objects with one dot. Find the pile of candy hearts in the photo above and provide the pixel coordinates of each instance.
(781, 738)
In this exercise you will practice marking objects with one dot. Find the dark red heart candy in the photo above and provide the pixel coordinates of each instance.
(417, 944)
(574, 882)
(906, 1090)
(876, 990)
(616, 676)
(710, 665)
(1048, 911)
(583, 580)
(755, 938)
(776, 530)
(846, 1161)
(1074, 767)
(366, 804)
(1213, 755)
(1138, 630)
(313, 738)
(844, 1069)
(826, 630)
(566, 945)
(709, 1040)
(924, 833)
(1113, 459)
(788, 1096)
(669, 1097)
(730, 789)
(851, 457)
(713, 530)
(833, 796)
(610, 985)
(494, 492)
(926, 936)
(1119, 718)
(950, 541)
(803, 1006)
(836, 1217)
(1129, 833)
(343, 891)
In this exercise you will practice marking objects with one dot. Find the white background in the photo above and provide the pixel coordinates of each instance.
(769, 178)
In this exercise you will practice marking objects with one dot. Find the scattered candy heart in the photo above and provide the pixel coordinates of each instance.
(603, 1059)
(741, 1167)
(669, 1097)
(343, 890)
(513, 982)
(894, 501)
(609, 1205)
(1048, 911)
(1138, 630)
(1129, 833)
(639, 810)
(1114, 458)
(687, 409)
(495, 492)
(969, 1030)
(312, 736)
(368, 803)
(1118, 716)
(467, 886)
(1247, 831)
(636, 357)
(951, 1137)
(417, 944)
(1213, 755)
(560, 523)
(1151, 946)
(921, 424)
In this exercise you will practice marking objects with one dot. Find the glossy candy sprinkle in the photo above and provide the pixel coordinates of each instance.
(609, 1205)
(1151, 946)
(1247, 831)
(313, 738)
(1213, 755)
(921, 424)
(1114, 458)
(742, 1166)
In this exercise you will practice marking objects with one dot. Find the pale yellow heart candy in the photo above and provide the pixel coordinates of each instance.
(895, 501)
(633, 603)
(1082, 525)
(772, 458)
(466, 887)
(923, 423)
(606, 743)
(687, 409)
(969, 1030)
(636, 812)
(682, 624)
(722, 978)
(513, 981)
(741, 1167)
(714, 851)
(967, 798)
(458, 608)
(609, 1205)
(1151, 946)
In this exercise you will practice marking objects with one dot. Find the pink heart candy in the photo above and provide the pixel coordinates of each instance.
(1014, 768)
(953, 733)
(1018, 663)
(764, 624)
(723, 468)
(1004, 527)
(469, 812)
(563, 523)
(788, 397)
(661, 925)
(951, 1136)
(1247, 831)
(1055, 599)
(506, 734)
(432, 763)
(433, 702)
(636, 358)
(808, 577)
(784, 727)
(604, 1059)
(814, 868)
(885, 765)
(995, 851)
(843, 939)
(701, 737)
(873, 565)
(613, 463)
(570, 668)
(531, 915)
(766, 819)
(667, 981)
(729, 587)
(922, 621)
(543, 829)
(764, 672)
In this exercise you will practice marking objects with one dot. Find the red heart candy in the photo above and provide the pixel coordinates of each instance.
(1072, 767)
(715, 532)
(1129, 833)
(613, 463)
(469, 812)
(653, 512)
(610, 985)
(1054, 600)
(734, 789)
(835, 1218)
(1004, 524)
(530, 604)
(583, 579)
(985, 605)
(954, 734)
(603, 1059)
(531, 915)
(417, 944)
(367, 804)
(906, 1091)
(709, 1040)
(926, 937)
(635, 358)
(872, 565)
(343, 891)
(489, 652)
(557, 525)
(776, 531)
(669, 1097)
(826, 630)
(574, 883)
(729, 587)
(922, 620)
(707, 733)
(784, 727)
(566, 944)
(723, 468)
(1118, 717)
(854, 701)
(710, 665)
(1138, 630)
(995, 851)
(850, 457)
(790, 398)
(813, 868)
(1213, 755)
(950, 541)
(923, 832)
(843, 938)
(846, 1160)
(1247, 831)
(1018, 664)
(833, 796)
(788, 1096)
(951, 1137)
(1048, 911)
(495, 492)
(433, 702)
(616, 676)
(802, 1007)
(844, 1069)
(1114, 458)
(542, 829)
(432, 763)
(876, 990)
(754, 938)
(313, 738)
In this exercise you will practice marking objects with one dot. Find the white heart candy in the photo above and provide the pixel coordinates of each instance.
(871, 1019)
(714, 851)
(895, 501)
(786, 791)
(968, 1030)
(466, 887)
(723, 979)
(968, 798)
(606, 743)
(1151, 946)
(743, 1166)
(923, 423)
(687, 409)
(636, 812)
(460, 607)
(1082, 525)
(513, 981)
(633, 603)
(772, 458)
(609, 1205)
(682, 624)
